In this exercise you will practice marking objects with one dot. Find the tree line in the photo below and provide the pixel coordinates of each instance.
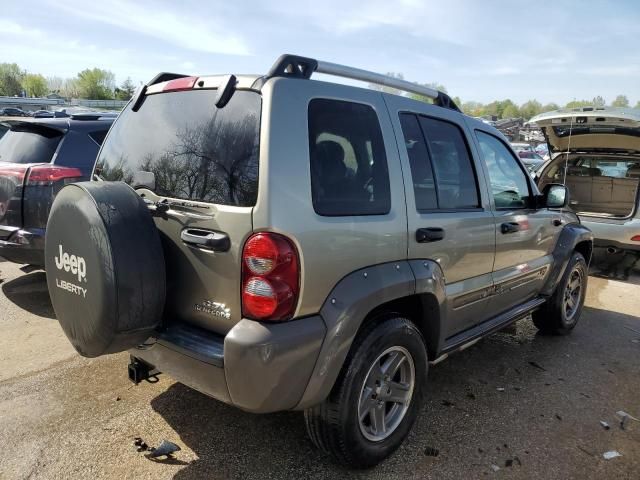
(91, 83)
(507, 108)
(99, 84)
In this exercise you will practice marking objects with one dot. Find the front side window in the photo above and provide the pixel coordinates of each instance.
(349, 174)
(508, 181)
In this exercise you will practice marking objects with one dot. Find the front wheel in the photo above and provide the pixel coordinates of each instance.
(560, 314)
(377, 395)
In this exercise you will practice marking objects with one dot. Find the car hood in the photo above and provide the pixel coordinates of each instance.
(591, 129)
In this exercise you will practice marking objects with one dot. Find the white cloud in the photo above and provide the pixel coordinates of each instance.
(151, 19)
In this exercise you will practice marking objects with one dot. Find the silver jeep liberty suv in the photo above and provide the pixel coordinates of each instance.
(281, 243)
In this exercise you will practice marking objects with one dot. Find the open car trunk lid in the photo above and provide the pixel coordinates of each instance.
(196, 165)
(596, 153)
(591, 129)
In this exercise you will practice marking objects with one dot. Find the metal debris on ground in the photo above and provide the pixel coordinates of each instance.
(431, 452)
(140, 445)
(500, 389)
(611, 454)
(558, 417)
(495, 468)
(624, 416)
(165, 449)
(605, 425)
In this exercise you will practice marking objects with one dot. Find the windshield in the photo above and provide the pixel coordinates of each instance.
(29, 144)
(194, 150)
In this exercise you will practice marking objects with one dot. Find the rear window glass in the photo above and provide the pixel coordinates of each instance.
(29, 144)
(195, 150)
(349, 173)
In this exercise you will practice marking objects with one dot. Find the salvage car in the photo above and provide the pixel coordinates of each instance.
(596, 153)
(37, 158)
(283, 243)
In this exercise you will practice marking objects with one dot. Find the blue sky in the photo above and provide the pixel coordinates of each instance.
(480, 50)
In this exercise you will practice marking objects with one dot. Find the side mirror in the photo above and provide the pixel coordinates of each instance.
(555, 195)
(142, 179)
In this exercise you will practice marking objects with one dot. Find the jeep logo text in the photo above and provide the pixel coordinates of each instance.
(76, 265)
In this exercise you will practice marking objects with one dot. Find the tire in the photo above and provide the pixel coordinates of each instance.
(559, 316)
(105, 267)
(334, 425)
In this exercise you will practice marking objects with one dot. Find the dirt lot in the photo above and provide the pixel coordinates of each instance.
(63, 416)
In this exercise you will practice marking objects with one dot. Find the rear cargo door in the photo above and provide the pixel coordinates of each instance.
(22, 146)
(197, 167)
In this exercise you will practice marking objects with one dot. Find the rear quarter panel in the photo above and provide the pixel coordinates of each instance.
(329, 247)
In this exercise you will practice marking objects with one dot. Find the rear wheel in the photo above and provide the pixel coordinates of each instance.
(377, 395)
(562, 311)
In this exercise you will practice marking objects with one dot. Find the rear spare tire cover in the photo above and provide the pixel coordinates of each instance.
(105, 267)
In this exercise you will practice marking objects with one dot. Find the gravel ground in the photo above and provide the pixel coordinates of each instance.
(515, 405)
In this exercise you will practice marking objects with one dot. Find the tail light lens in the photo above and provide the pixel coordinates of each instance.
(48, 174)
(270, 277)
(14, 171)
(635, 238)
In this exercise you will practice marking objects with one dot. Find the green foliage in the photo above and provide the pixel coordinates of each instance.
(620, 101)
(125, 91)
(70, 88)
(96, 84)
(530, 109)
(10, 79)
(35, 85)
(637, 105)
(598, 101)
(550, 107)
(578, 104)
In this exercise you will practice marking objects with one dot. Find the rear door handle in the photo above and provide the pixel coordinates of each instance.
(431, 234)
(208, 239)
(510, 227)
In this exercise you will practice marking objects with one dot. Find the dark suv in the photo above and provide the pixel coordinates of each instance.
(37, 158)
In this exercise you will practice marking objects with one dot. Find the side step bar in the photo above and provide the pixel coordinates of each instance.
(467, 338)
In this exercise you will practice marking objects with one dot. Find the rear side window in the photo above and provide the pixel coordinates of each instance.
(441, 168)
(29, 144)
(349, 174)
(195, 150)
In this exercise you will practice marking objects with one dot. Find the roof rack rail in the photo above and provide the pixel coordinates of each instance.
(294, 66)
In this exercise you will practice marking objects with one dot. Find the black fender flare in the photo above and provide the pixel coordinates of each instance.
(349, 303)
(572, 234)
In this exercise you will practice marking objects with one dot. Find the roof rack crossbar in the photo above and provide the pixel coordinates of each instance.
(303, 67)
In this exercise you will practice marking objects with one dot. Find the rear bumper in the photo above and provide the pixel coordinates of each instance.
(24, 246)
(257, 367)
(616, 234)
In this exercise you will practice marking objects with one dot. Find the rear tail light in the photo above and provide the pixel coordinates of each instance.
(270, 277)
(635, 238)
(185, 83)
(48, 174)
(13, 171)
